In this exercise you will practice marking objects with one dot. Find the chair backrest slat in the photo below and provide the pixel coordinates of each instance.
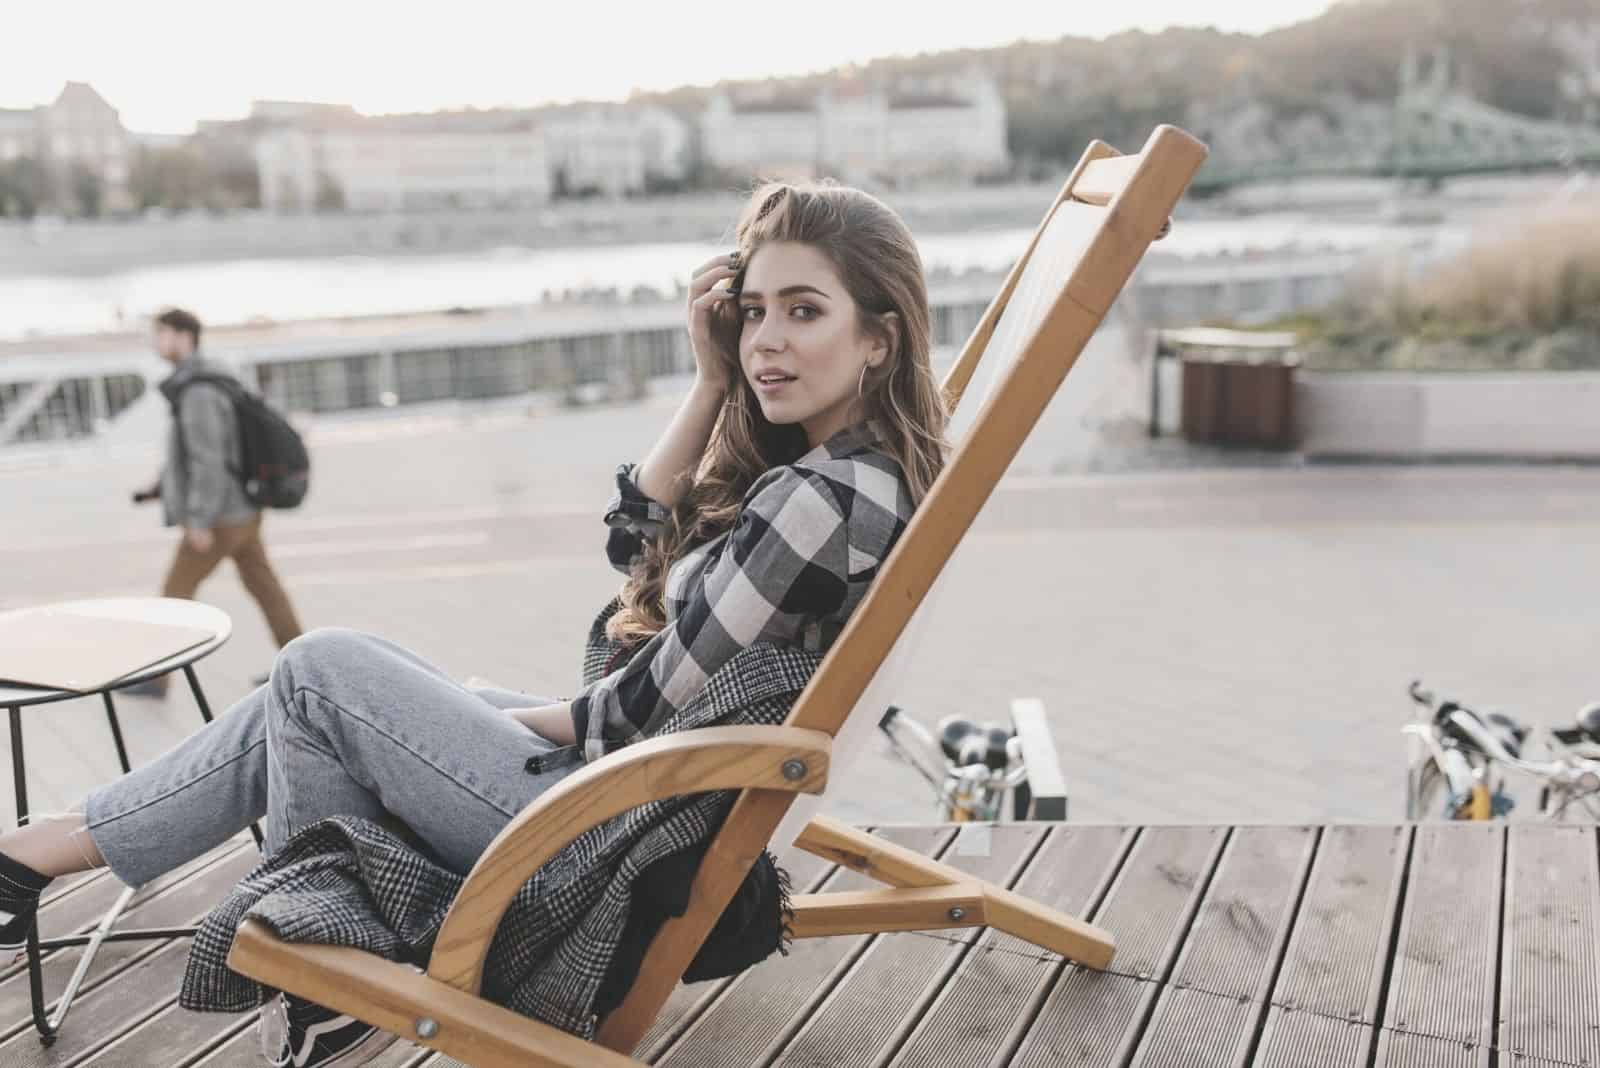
(1103, 179)
(956, 380)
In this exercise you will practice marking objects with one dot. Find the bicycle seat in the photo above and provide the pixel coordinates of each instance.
(1502, 728)
(967, 743)
(1511, 733)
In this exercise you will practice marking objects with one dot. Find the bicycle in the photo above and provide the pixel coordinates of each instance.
(1460, 761)
(974, 767)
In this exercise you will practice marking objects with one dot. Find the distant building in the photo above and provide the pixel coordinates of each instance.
(945, 129)
(614, 150)
(19, 134)
(288, 111)
(324, 156)
(77, 136)
(935, 131)
(776, 137)
(82, 128)
(370, 168)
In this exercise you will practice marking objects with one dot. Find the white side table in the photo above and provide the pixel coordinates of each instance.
(15, 698)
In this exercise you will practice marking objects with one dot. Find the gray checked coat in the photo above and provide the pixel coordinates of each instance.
(572, 935)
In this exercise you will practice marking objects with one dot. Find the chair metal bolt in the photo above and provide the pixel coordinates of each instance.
(426, 1028)
(794, 769)
(957, 914)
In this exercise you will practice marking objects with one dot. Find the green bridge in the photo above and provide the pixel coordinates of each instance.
(1435, 132)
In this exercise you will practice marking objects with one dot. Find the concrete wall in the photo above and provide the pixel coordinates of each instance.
(1440, 415)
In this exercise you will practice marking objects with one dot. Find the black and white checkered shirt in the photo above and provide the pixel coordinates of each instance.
(807, 543)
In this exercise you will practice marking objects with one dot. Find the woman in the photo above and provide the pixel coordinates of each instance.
(812, 429)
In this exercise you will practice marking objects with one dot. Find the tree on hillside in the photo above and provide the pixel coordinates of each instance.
(86, 191)
(171, 177)
(24, 187)
(193, 176)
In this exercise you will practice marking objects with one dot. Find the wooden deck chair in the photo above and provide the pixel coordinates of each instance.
(1094, 235)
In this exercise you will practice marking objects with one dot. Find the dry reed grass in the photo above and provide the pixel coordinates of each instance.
(1539, 272)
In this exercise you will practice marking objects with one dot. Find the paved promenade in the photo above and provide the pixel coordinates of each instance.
(1212, 644)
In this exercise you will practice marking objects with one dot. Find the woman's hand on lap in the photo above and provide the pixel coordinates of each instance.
(551, 722)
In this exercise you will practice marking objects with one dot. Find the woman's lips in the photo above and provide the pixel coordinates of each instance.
(772, 382)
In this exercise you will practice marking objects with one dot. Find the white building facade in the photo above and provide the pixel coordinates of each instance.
(934, 130)
(615, 150)
(333, 159)
(78, 133)
(772, 138)
(367, 169)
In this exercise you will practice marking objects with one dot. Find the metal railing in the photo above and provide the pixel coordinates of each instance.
(570, 352)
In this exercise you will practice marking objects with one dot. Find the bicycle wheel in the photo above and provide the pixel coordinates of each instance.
(1431, 798)
(1557, 806)
(1429, 793)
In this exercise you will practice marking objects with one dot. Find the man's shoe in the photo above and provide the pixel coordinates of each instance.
(296, 1033)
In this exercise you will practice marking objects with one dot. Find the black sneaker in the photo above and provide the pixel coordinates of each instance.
(15, 923)
(20, 887)
(296, 1033)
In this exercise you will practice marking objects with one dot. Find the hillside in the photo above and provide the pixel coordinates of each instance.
(1332, 77)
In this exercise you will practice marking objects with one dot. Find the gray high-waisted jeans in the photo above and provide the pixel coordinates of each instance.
(348, 725)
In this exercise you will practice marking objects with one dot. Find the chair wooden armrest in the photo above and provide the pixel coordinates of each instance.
(787, 759)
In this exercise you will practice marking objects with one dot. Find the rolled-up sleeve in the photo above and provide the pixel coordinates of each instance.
(633, 519)
(786, 562)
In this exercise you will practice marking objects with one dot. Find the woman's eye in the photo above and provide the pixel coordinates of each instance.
(750, 312)
(804, 312)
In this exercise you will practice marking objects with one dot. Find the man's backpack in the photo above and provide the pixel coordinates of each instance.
(274, 468)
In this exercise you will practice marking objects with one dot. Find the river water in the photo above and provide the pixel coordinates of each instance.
(246, 290)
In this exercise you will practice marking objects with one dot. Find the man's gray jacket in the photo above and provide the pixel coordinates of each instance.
(198, 487)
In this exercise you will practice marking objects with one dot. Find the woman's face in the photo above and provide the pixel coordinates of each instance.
(801, 343)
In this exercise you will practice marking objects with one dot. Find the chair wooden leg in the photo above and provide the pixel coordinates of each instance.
(931, 908)
(1005, 911)
(406, 1002)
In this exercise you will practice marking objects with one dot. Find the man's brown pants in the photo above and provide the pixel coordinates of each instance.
(243, 545)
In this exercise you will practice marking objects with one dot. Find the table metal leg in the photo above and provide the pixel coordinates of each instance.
(199, 694)
(205, 714)
(19, 779)
(98, 936)
(116, 732)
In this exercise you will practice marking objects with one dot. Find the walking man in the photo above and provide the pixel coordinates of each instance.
(199, 491)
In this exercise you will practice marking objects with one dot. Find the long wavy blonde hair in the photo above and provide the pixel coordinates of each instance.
(877, 260)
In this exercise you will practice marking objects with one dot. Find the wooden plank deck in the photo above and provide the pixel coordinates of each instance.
(1428, 945)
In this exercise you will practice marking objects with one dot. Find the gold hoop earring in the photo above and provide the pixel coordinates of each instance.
(861, 386)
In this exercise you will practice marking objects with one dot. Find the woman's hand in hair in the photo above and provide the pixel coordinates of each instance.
(710, 288)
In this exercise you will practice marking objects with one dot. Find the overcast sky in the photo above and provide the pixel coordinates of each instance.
(167, 63)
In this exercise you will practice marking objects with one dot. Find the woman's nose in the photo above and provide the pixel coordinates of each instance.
(769, 336)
